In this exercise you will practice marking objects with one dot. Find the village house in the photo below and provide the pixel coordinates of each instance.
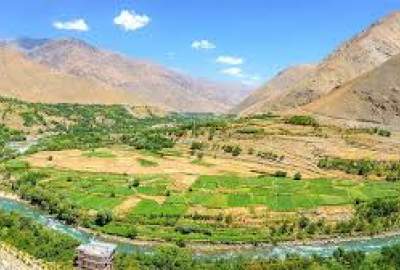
(95, 256)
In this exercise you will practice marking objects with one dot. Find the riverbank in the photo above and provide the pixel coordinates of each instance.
(207, 248)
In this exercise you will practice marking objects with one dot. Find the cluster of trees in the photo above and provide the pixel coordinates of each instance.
(41, 243)
(28, 189)
(7, 135)
(388, 169)
(302, 120)
(174, 258)
(370, 218)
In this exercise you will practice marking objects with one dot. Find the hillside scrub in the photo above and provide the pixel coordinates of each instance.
(302, 120)
(388, 169)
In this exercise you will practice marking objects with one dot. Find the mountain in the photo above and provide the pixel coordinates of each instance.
(143, 80)
(22, 78)
(274, 88)
(373, 97)
(366, 51)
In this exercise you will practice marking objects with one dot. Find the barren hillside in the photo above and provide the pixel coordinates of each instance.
(154, 84)
(373, 97)
(24, 79)
(361, 54)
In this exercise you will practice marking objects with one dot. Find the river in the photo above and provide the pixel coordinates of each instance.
(280, 250)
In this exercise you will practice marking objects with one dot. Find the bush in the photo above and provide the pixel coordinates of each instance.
(236, 151)
(280, 174)
(132, 233)
(302, 120)
(297, 176)
(384, 133)
(103, 218)
(134, 183)
(250, 130)
(196, 145)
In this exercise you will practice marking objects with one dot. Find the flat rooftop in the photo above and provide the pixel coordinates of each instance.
(98, 249)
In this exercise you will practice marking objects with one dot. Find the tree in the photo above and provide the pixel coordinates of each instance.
(103, 218)
(280, 174)
(297, 176)
(236, 151)
(172, 258)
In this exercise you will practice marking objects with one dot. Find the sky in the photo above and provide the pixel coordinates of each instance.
(244, 41)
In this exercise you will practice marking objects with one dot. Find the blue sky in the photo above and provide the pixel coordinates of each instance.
(232, 40)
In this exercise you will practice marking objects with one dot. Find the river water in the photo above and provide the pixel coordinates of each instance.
(280, 250)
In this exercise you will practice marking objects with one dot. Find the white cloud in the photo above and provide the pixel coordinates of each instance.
(229, 60)
(203, 45)
(130, 21)
(74, 25)
(233, 71)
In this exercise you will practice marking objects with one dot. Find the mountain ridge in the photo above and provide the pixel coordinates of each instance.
(145, 80)
(360, 54)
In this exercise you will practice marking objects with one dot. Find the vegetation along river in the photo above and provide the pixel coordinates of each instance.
(322, 248)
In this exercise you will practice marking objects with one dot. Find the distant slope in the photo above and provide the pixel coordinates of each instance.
(373, 97)
(361, 54)
(259, 99)
(150, 82)
(24, 79)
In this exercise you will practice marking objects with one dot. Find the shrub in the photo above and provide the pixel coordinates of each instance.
(197, 145)
(269, 156)
(200, 155)
(302, 120)
(236, 151)
(297, 176)
(103, 218)
(132, 233)
(250, 130)
(280, 174)
(384, 133)
(134, 183)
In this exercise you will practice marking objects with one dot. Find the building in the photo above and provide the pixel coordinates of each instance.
(95, 256)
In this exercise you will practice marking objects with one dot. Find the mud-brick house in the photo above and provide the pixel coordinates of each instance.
(95, 256)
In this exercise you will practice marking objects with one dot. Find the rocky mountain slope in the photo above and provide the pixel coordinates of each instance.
(24, 79)
(361, 54)
(373, 97)
(260, 98)
(152, 83)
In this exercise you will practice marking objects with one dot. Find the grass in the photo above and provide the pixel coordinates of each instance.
(284, 194)
(99, 153)
(147, 163)
(201, 162)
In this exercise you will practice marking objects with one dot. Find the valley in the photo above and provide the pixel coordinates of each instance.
(192, 179)
(165, 150)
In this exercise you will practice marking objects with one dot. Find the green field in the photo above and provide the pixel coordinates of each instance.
(282, 194)
(150, 218)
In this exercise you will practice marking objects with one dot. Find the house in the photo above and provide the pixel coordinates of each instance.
(95, 256)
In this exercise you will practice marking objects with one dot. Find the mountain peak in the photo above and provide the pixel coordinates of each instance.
(72, 42)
